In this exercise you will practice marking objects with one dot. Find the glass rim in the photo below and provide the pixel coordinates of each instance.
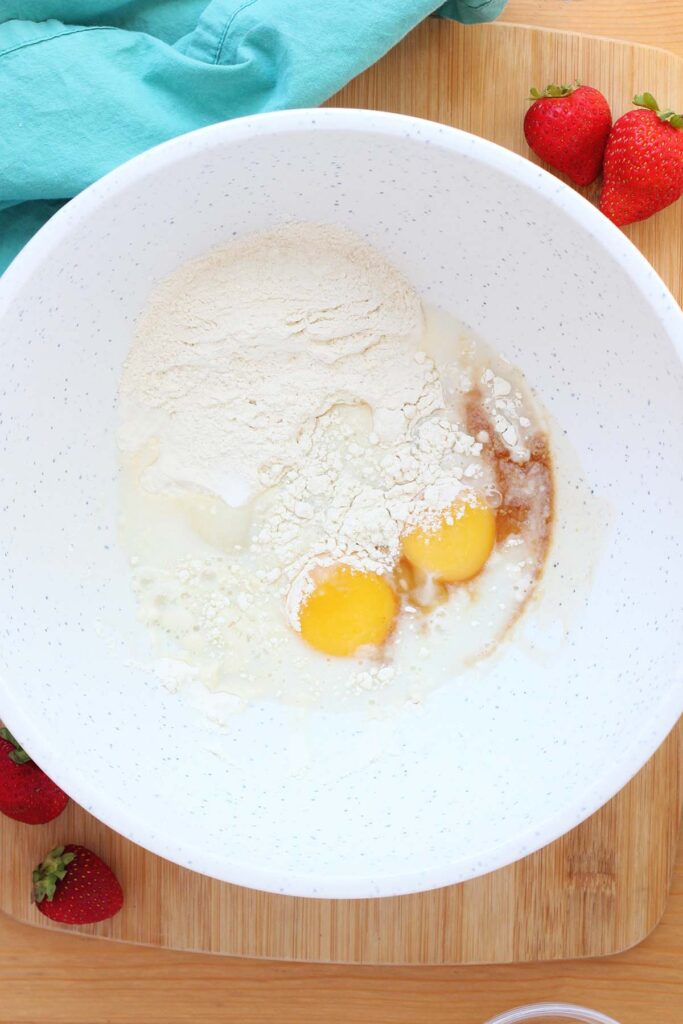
(537, 1011)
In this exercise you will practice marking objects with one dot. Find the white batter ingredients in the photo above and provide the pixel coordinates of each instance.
(284, 406)
(241, 350)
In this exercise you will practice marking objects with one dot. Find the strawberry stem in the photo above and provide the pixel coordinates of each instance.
(553, 92)
(647, 100)
(51, 871)
(671, 117)
(18, 755)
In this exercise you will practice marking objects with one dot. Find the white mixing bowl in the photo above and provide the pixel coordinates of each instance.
(336, 804)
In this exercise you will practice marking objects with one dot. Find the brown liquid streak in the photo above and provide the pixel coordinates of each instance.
(512, 515)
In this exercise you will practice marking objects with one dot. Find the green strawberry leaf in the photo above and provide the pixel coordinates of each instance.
(646, 99)
(671, 117)
(553, 92)
(18, 755)
(51, 871)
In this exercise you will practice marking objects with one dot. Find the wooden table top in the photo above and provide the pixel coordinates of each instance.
(49, 978)
(652, 22)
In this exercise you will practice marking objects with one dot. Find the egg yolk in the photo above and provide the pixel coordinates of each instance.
(347, 610)
(456, 548)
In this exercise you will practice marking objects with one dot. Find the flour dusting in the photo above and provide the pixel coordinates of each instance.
(290, 362)
(285, 407)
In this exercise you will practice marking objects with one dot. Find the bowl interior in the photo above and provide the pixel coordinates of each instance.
(493, 765)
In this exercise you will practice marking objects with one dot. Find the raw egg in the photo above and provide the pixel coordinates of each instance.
(348, 609)
(457, 546)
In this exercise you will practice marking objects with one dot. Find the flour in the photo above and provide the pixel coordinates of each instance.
(505, 405)
(350, 500)
(240, 350)
(285, 371)
(286, 405)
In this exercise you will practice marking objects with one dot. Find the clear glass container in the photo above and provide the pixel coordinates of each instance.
(552, 1013)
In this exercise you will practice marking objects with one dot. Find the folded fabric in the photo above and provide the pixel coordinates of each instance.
(87, 84)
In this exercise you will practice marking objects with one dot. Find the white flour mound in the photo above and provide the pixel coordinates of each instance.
(240, 349)
(280, 412)
(286, 370)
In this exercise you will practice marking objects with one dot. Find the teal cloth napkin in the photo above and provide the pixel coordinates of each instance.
(87, 84)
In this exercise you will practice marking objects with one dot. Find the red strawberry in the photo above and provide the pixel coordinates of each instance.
(26, 793)
(74, 886)
(567, 127)
(643, 163)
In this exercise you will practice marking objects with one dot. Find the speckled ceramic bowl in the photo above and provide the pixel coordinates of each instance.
(552, 1013)
(493, 765)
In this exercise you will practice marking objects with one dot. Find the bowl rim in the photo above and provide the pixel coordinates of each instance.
(541, 1011)
(124, 818)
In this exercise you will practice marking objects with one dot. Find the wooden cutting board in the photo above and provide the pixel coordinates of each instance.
(599, 889)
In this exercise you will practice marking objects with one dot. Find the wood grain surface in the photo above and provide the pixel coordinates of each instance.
(53, 978)
(50, 978)
(599, 889)
(651, 22)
